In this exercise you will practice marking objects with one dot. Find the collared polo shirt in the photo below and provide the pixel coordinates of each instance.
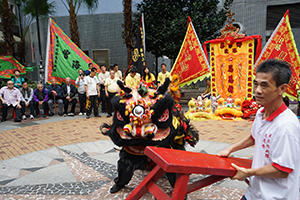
(277, 141)
(112, 85)
(10, 96)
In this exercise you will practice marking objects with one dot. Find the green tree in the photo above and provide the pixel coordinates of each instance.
(44, 10)
(127, 34)
(7, 24)
(73, 6)
(166, 22)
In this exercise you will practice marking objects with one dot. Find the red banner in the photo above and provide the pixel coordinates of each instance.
(191, 65)
(281, 46)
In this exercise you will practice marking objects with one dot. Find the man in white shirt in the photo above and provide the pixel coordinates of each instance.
(81, 91)
(102, 76)
(10, 97)
(92, 93)
(118, 73)
(276, 134)
(111, 89)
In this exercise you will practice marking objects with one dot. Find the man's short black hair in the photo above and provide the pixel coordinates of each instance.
(163, 64)
(281, 70)
(17, 71)
(116, 65)
(102, 66)
(94, 69)
(90, 64)
(133, 69)
(24, 82)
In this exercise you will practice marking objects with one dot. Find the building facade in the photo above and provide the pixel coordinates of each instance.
(260, 17)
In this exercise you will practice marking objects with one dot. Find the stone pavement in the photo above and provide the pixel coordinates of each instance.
(68, 158)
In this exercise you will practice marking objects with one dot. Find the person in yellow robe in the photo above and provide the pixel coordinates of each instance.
(163, 75)
(132, 80)
(148, 77)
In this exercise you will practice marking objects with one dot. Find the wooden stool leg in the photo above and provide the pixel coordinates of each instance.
(14, 113)
(142, 189)
(179, 191)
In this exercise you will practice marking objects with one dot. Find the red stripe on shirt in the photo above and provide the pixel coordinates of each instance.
(281, 168)
(277, 112)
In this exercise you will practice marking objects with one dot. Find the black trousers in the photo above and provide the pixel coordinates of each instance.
(36, 107)
(31, 107)
(82, 101)
(109, 105)
(5, 108)
(103, 100)
(92, 103)
(66, 104)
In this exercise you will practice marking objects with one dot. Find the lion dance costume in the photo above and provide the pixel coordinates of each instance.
(145, 117)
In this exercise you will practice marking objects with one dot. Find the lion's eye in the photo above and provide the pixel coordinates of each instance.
(138, 111)
(165, 116)
(119, 116)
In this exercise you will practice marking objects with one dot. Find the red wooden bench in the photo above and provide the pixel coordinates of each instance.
(184, 163)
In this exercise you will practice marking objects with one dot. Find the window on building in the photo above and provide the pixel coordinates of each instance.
(101, 57)
(276, 12)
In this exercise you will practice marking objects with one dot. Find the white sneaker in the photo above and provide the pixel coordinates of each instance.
(31, 116)
(80, 113)
(23, 117)
(84, 113)
(71, 114)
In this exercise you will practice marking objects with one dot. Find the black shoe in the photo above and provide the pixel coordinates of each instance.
(60, 114)
(43, 115)
(51, 114)
(109, 115)
(115, 188)
(17, 120)
(98, 116)
(3, 120)
(87, 117)
(37, 116)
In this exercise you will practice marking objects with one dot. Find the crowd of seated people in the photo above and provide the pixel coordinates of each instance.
(92, 89)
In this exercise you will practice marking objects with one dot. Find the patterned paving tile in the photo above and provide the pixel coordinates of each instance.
(95, 178)
(81, 171)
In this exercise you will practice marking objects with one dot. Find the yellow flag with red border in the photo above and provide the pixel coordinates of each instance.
(282, 46)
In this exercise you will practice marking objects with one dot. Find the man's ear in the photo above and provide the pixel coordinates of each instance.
(282, 88)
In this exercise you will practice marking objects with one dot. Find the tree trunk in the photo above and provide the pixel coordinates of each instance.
(128, 28)
(21, 50)
(73, 25)
(7, 28)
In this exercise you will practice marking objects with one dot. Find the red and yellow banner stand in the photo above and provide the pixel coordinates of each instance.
(281, 46)
(232, 58)
(191, 64)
